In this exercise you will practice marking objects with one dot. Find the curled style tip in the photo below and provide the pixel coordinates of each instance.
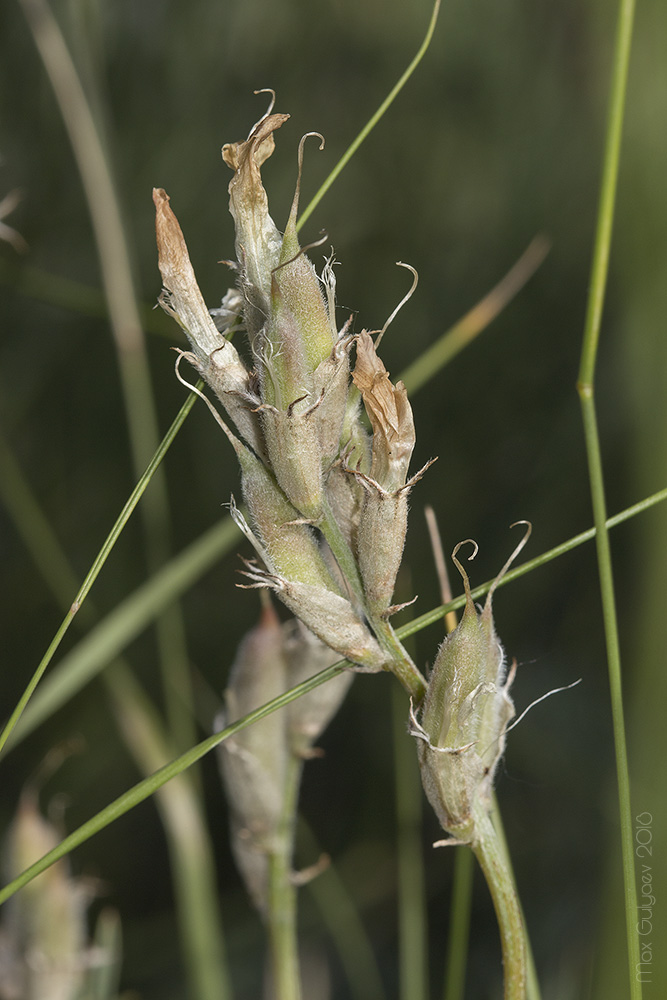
(406, 298)
(297, 192)
(464, 575)
(264, 90)
(511, 559)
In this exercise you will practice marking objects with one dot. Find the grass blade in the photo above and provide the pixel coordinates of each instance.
(585, 386)
(373, 120)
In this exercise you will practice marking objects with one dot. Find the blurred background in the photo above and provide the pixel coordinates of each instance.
(497, 138)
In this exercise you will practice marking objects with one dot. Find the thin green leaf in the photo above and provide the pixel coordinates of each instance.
(373, 120)
(95, 569)
(591, 337)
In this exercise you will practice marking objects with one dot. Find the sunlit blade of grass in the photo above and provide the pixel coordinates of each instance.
(373, 120)
(413, 932)
(430, 617)
(149, 786)
(591, 337)
(435, 357)
(96, 567)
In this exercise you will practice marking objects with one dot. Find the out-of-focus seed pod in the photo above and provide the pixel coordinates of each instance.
(461, 732)
(309, 715)
(253, 762)
(272, 658)
(44, 938)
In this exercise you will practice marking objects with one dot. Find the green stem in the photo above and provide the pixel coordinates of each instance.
(374, 119)
(95, 569)
(585, 387)
(532, 983)
(399, 662)
(282, 918)
(499, 879)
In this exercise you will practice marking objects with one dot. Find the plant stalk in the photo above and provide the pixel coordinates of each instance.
(488, 851)
(585, 388)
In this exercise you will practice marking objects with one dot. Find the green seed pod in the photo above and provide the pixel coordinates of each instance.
(331, 617)
(291, 546)
(293, 445)
(303, 375)
(461, 732)
(253, 762)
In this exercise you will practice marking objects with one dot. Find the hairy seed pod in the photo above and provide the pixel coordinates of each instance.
(384, 515)
(461, 732)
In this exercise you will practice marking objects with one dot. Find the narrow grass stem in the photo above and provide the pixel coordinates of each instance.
(608, 186)
(95, 569)
(585, 386)
(615, 687)
(412, 927)
(282, 908)
(506, 903)
(459, 923)
(374, 119)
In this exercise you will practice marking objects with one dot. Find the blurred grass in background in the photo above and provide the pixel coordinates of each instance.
(497, 137)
